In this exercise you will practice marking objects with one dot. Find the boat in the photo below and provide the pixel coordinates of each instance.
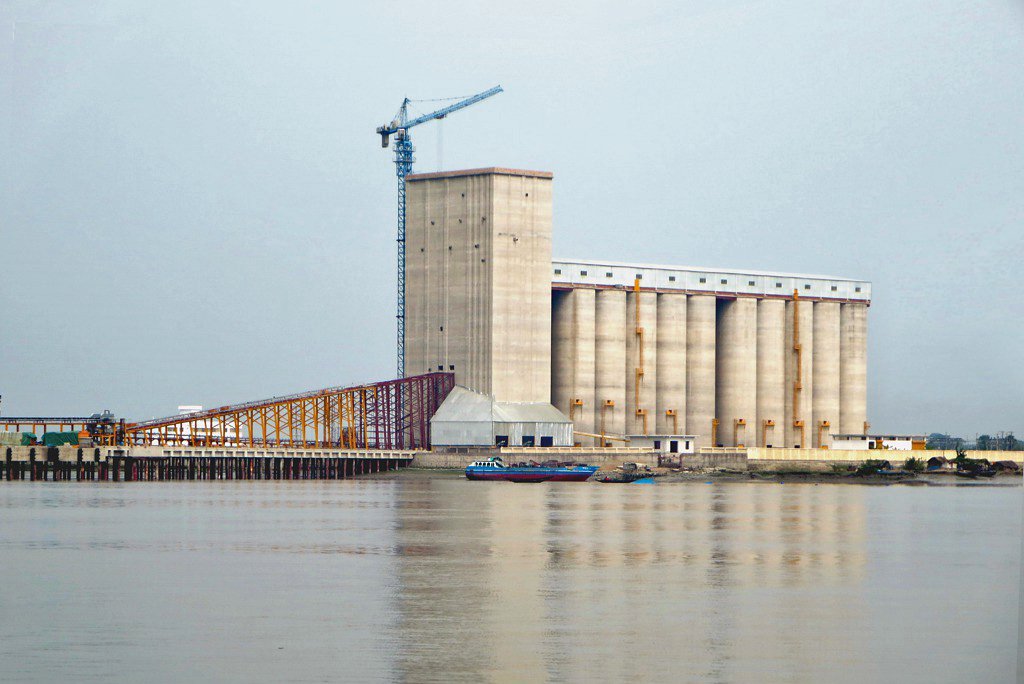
(495, 469)
(626, 473)
(976, 473)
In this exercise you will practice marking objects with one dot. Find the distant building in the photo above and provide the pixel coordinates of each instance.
(666, 444)
(890, 442)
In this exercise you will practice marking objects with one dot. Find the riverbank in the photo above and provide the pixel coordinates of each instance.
(667, 476)
(819, 477)
(752, 458)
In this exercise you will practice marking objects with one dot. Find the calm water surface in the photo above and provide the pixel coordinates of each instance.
(416, 577)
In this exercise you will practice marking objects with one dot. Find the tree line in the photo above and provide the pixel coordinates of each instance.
(1001, 441)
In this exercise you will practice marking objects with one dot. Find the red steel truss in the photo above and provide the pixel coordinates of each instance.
(385, 415)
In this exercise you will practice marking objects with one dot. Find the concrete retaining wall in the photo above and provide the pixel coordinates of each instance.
(852, 455)
(591, 455)
(793, 464)
(734, 460)
(752, 458)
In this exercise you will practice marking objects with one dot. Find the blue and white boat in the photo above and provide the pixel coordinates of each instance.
(495, 469)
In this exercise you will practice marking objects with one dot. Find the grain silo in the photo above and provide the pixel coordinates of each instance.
(747, 358)
(734, 357)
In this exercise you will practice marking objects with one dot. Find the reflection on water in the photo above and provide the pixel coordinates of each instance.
(421, 577)
(566, 581)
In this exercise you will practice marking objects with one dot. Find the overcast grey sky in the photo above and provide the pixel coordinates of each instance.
(195, 208)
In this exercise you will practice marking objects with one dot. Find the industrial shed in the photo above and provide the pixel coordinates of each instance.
(468, 418)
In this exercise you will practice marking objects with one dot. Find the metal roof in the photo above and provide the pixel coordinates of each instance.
(701, 269)
(726, 282)
(466, 406)
(489, 171)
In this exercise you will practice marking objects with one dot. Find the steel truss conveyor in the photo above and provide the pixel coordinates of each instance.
(384, 415)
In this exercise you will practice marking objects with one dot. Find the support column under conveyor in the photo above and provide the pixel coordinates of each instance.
(826, 374)
(641, 362)
(610, 353)
(700, 368)
(573, 356)
(853, 368)
(736, 362)
(771, 374)
(671, 339)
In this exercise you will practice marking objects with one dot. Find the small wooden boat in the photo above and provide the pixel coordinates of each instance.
(974, 474)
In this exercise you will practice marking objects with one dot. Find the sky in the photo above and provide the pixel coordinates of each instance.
(195, 208)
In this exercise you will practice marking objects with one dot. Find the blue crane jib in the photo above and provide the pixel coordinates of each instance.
(399, 127)
(400, 122)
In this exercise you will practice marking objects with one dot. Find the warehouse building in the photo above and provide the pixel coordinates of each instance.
(731, 357)
(468, 418)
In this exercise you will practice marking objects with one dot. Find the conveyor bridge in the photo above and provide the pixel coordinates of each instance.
(384, 415)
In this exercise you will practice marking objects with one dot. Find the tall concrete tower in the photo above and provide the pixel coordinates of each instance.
(478, 280)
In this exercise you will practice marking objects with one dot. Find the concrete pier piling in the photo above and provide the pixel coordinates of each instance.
(160, 464)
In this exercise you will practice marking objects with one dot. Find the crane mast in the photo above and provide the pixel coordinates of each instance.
(399, 128)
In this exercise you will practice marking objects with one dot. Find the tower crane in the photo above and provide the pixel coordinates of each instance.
(399, 127)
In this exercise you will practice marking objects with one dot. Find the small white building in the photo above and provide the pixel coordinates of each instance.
(858, 442)
(666, 444)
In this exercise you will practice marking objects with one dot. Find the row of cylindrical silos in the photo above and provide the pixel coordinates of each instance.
(731, 371)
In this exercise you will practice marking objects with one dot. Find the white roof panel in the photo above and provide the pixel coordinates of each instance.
(726, 281)
(463, 405)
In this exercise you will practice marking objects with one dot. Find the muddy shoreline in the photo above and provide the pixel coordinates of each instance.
(809, 477)
(665, 476)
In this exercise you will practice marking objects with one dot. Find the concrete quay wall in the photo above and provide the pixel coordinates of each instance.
(757, 459)
(725, 457)
(609, 457)
(729, 459)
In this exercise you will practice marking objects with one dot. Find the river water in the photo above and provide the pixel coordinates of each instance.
(428, 577)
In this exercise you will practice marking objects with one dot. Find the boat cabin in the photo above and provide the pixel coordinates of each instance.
(490, 463)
